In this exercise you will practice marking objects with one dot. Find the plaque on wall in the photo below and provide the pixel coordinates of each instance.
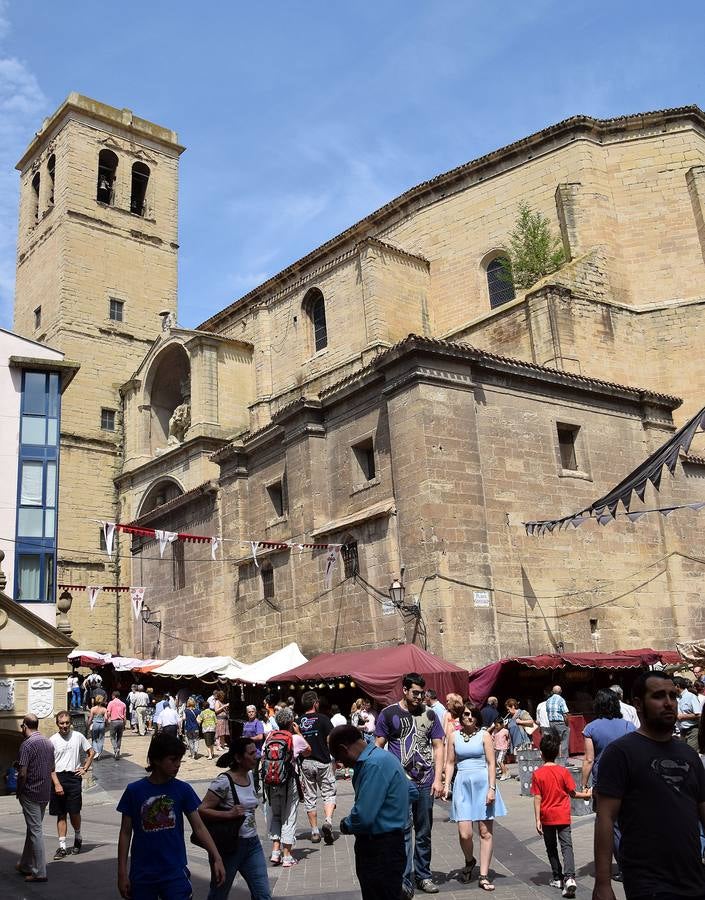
(7, 693)
(41, 697)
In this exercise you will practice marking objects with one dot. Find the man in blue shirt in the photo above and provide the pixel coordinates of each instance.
(557, 712)
(379, 814)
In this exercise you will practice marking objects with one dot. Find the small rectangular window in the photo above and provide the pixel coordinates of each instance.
(101, 540)
(267, 575)
(34, 399)
(351, 563)
(567, 440)
(178, 566)
(364, 455)
(37, 318)
(277, 498)
(116, 309)
(107, 419)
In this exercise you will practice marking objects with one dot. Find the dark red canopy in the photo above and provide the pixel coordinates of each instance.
(379, 672)
(482, 680)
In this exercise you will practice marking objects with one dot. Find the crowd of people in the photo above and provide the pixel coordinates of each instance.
(640, 768)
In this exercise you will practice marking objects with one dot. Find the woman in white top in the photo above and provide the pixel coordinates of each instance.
(248, 857)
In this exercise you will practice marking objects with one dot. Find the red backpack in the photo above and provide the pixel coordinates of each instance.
(278, 758)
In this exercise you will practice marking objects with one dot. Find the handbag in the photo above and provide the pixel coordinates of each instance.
(225, 832)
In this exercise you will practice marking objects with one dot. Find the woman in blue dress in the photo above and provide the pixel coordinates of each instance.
(475, 794)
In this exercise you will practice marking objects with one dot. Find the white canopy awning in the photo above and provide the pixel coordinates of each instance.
(199, 666)
(280, 661)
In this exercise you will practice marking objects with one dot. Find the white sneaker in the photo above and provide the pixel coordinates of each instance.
(569, 887)
(555, 882)
(276, 857)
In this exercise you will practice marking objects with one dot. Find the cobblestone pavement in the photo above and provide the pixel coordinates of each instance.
(326, 872)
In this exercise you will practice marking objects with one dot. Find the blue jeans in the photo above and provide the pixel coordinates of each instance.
(98, 738)
(418, 852)
(249, 861)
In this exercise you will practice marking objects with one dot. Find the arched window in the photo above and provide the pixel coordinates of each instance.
(51, 172)
(36, 184)
(499, 283)
(138, 194)
(107, 169)
(315, 307)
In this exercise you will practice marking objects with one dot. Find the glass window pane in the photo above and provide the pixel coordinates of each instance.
(52, 433)
(33, 430)
(32, 480)
(49, 523)
(29, 577)
(54, 395)
(50, 496)
(30, 522)
(35, 395)
(49, 578)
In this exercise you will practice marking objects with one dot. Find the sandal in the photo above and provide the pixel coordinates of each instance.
(35, 878)
(466, 874)
(484, 883)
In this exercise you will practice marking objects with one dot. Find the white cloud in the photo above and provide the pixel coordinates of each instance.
(22, 106)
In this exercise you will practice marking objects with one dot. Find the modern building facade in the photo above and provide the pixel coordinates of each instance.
(33, 378)
(392, 394)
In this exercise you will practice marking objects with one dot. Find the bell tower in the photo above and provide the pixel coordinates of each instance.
(96, 265)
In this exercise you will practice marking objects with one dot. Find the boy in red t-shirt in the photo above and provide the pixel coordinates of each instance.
(552, 787)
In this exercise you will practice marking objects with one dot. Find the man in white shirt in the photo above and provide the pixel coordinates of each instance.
(336, 717)
(167, 720)
(541, 714)
(66, 797)
(140, 702)
(629, 713)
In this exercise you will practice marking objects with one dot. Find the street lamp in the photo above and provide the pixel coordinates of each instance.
(396, 592)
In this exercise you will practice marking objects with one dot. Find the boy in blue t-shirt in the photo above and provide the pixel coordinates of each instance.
(152, 818)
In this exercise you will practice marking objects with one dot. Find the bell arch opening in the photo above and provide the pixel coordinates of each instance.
(158, 494)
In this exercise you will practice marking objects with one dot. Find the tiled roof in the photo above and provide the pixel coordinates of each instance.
(361, 229)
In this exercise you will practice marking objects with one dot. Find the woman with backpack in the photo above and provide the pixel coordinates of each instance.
(279, 768)
(231, 797)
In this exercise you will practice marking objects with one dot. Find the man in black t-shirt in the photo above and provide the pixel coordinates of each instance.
(318, 769)
(653, 787)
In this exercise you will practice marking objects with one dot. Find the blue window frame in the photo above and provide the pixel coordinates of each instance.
(37, 488)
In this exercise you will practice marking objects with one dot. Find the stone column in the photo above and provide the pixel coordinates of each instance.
(203, 351)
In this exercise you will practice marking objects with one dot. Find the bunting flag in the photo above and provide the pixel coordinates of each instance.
(137, 600)
(215, 543)
(93, 591)
(111, 588)
(109, 535)
(635, 482)
(331, 560)
(254, 545)
(164, 538)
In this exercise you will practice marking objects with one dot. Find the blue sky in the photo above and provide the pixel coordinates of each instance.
(302, 117)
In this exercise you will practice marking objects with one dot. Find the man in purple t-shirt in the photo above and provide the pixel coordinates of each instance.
(36, 763)
(253, 728)
(415, 737)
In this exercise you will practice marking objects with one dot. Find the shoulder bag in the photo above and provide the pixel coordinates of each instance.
(224, 832)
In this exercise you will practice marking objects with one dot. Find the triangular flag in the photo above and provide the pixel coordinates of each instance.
(164, 538)
(640, 489)
(655, 478)
(215, 543)
(635, 516)
(605, 518)
(93, 592)
(109, 534)
(331, 559)
(137, 599)
(696, 506)
(666, 511)
(254, 545)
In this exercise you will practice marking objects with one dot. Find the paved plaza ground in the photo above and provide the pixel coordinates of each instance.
(519, 865)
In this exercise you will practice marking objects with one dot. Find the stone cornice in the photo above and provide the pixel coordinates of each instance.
(162, 465)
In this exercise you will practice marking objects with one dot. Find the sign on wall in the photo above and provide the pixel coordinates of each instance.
(41, 697)
(481, 599)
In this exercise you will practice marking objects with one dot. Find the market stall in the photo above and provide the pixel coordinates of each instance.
(580, 675)
(378, 673)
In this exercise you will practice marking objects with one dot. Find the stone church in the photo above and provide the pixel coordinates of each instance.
(387, 392)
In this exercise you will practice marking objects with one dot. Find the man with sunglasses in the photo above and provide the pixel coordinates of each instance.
(415, 737)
